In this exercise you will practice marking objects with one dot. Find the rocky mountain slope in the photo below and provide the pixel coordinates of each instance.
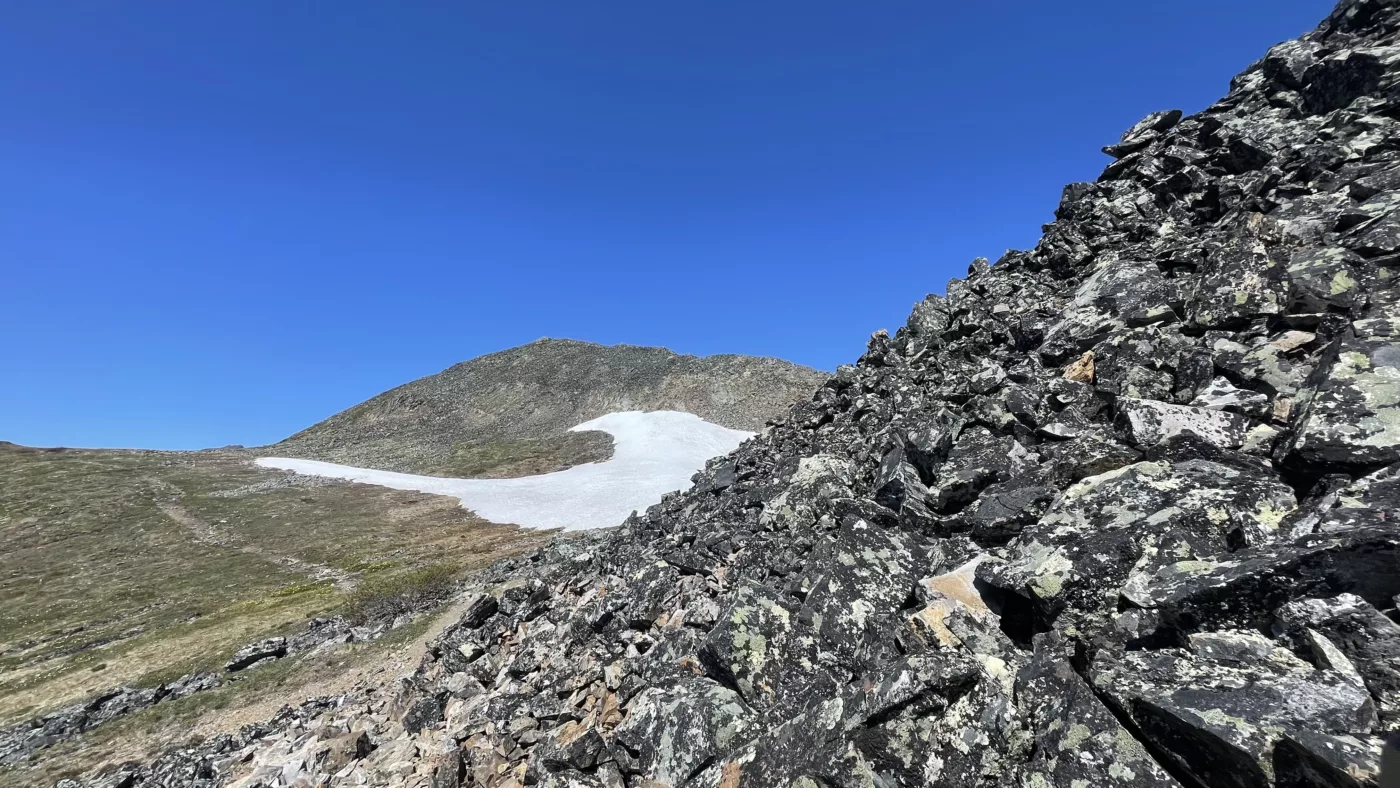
(1121, 510)
(506, 413)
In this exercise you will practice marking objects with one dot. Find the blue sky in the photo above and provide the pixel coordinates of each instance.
(221, 222)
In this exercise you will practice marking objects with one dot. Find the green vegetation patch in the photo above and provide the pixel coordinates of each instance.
(395, 595)
(530, 456)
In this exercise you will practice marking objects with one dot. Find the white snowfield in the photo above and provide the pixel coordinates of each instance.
(653, 454)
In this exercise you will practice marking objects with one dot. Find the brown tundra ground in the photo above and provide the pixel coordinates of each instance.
(130, 568)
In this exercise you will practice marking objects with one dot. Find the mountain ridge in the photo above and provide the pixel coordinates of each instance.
(509, 412)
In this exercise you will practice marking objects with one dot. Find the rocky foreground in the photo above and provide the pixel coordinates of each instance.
(1122, 510)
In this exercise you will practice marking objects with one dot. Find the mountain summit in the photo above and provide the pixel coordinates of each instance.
(508, 413)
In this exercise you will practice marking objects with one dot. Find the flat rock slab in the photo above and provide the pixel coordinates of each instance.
(1148, 422)
(1223, 719)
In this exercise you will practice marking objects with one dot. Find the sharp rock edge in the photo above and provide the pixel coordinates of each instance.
(1121, 510)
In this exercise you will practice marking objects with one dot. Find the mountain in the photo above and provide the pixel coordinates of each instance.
(134, 579)
(508, 413)
(1119, 510)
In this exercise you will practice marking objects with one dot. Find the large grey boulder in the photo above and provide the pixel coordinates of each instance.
(1220, 713)
(1110, 530)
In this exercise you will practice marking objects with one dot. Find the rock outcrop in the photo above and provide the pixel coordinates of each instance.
(1120, 510)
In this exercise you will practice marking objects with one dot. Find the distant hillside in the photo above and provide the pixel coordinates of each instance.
(506, 413)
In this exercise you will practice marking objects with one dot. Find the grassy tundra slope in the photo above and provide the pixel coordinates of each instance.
(131, 567)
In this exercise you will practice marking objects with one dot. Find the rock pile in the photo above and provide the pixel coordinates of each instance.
(1121, 510)
(18, 742)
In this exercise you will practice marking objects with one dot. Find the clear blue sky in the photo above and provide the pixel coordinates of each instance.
(223, 221)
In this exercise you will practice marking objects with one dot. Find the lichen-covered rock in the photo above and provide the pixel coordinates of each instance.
(1078, 740)
(1143, 132)
(1109, 529)
(1146, 363)
(1147, 423)
(978, 458)
(868, 736)
(1222, 720)
(1303, 759)
(1353, 417)
(1119, 294)
(816, 480)
(762, 649)
(1246, 588)
(1326, 278)
(1244, 279)
(1368, 639)
(672, 733)
(253, 653)
(1221, 395)
(1089, 453)
(864, 575)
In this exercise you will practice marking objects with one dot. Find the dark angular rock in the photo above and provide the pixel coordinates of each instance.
(811, 491)
(1308, 759)
(1264, 367)
(692, 561)
(1242, 280)
(929, 320)
(1369, 639)
(862, 577)
(674, 732)
(929, 441)
(1140, 362)
(479, 609)
(1108, 530)
(1147, 423)
(1221, 722)
(1089, 453)
(253, 653)
(1117, 295)
(1339, 79)
(1245, 589)
(1353, 415)
(1221, 395)
(1003, 510)
(1078, 740)
(422, 712)
(1144, 132)
(978, 459)
(571, 746)
(760, 649)
(897, 480)
(1326, 278)
(652, 590)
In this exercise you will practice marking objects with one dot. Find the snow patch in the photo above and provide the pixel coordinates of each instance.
(653, 454)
